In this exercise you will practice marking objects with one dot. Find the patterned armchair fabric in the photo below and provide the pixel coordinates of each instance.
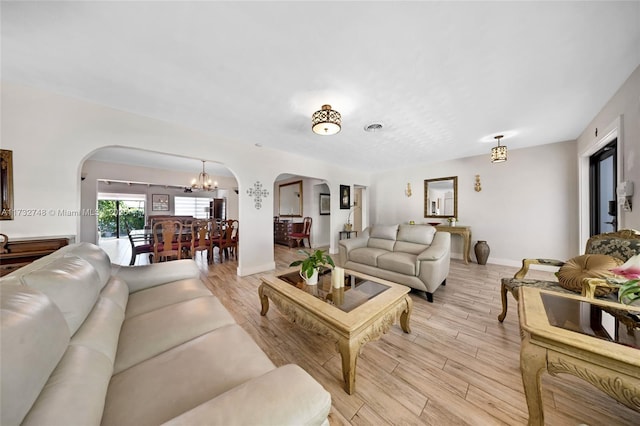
(621, 244)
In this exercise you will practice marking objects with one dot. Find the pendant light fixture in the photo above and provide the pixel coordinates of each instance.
(498, 153)
(326, 121)
(202, 182)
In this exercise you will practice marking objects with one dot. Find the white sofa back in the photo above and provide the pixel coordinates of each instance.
(61, 319)
(412, 239)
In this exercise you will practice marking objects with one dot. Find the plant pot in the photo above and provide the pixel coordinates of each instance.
(348, 227)
(482, 251)
(310, 281)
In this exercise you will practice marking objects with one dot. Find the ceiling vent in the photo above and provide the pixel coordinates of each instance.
(373, 127)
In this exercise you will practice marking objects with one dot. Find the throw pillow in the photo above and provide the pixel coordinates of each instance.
(572, 273)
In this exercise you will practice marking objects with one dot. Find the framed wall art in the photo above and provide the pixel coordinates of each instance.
(325, 204)
(160, 202)
(6, 184)
(345, 197)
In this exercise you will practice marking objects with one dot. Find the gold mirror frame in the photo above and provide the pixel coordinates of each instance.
(436, 206)
(290, 202)
(6, 184)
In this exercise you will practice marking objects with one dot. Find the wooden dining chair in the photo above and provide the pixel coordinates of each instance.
(299, 237)
(199, 238)
(223, 238)
(167, 240)
(140, 244)
(235, 237)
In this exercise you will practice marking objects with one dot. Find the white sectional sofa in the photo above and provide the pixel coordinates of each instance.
(85, 344)
(417, 256)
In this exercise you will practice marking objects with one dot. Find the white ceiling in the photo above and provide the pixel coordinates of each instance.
(440, 76)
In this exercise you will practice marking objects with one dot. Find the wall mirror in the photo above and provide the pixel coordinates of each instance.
(291, 199)
(441, 197)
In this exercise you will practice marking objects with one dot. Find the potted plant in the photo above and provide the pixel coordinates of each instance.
(348, 226)
(311, 264)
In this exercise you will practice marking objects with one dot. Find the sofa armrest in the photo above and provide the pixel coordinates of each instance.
(345, 246)
(440, 246)
(265, 400)
(145, 276)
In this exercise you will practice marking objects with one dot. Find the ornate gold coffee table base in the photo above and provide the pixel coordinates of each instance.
(351, 330)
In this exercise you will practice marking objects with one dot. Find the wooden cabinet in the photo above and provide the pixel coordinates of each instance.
(16, 254)
(282, 232)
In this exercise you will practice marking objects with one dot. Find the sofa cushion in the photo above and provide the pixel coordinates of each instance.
(153, 298)
(75, 392)
(93, 254)
(147, 335)
(403, 263)
(381, 243)
(418, 234)
(101, 330)
(412, 248)
(34, 338)
(385, 232)
(184, 377)
(312, 402)
(366, 255)
(72, 284)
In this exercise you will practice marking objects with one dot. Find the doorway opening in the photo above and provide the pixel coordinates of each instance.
(602, 189)
(119, 214)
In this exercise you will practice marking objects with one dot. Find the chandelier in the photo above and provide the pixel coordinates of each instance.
(202, 182)
(498, 153)
(326, 121)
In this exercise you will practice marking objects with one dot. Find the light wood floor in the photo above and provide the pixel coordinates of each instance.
(459, 366)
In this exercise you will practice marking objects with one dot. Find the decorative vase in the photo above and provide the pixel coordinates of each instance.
(348, 227)
(482, 251)
(310, 281)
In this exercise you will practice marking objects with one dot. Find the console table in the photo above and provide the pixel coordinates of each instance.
(613, 367)
(15, 254)
(464, 232)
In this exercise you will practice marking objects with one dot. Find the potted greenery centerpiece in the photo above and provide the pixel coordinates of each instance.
(311, 264)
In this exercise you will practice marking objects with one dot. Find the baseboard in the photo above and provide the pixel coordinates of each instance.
(255, 269)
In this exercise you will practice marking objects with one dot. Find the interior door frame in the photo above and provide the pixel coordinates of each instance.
(611, 132)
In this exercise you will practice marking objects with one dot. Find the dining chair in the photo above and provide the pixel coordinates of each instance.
(167, 240)
(199, 238)
(223, 238)
(235, 237)
(140, 244)
(299, 237)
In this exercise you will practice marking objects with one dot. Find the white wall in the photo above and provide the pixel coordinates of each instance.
(526, 208)
(52, 135)
(625, 104)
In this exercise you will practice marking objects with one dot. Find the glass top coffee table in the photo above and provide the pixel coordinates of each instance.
(595, 340)
(361, 311)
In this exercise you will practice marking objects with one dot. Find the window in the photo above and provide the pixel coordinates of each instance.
(197, 207)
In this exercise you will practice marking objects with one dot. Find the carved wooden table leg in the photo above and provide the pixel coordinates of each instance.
(405, 316)
(533, 361)
(503, 296)
(349, 353)
(263, 300)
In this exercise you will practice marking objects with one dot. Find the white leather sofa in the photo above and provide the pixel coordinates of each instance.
(414, 255)
(82, 344)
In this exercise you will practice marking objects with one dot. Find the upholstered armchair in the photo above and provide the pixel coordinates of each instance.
(621, 245)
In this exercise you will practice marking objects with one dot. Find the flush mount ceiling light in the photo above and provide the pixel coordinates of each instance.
(498, 153)
(326, 121)
(202, 182)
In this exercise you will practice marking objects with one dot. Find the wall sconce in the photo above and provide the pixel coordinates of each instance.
(477, 186)
(407, 191)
